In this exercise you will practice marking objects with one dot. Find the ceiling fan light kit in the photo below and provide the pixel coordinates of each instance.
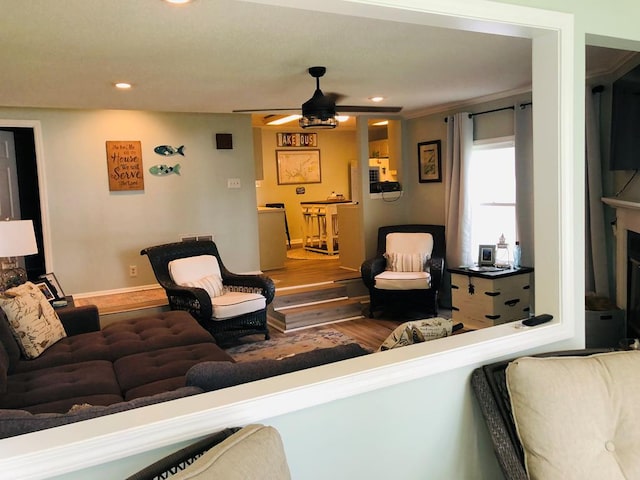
(320, 110)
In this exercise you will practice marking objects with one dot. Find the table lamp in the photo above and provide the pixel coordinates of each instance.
(17, 239)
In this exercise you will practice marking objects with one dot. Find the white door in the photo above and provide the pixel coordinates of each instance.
(9, 200)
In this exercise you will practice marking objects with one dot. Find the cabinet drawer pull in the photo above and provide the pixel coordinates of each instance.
(492, 294)
(492, 317)
(454, 287)
(512, 303)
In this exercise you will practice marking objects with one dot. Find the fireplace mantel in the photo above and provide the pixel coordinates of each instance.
(627, 218)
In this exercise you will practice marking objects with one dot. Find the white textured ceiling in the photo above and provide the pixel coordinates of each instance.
(221, 55)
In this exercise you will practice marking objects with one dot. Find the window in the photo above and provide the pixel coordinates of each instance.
(493, 192)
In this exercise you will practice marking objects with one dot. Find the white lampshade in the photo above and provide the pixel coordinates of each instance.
(17, 238)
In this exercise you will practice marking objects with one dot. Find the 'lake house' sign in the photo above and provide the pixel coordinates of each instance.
(297, 139)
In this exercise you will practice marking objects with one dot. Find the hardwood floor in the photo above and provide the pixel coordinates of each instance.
(369, 333)
(306, 272)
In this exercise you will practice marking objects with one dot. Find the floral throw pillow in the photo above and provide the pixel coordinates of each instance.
(417, 331)
(33, 322)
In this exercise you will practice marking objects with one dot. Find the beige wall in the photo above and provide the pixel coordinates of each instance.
(96, 234)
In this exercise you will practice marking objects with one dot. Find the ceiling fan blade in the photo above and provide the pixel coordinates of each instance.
(366, 109)
(336, 97)
(255, 110)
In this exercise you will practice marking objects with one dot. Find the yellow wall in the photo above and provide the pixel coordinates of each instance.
(337, 152)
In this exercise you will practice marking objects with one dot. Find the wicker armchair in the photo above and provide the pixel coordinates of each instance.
(490, 389)
(413, 302)
(199, 303)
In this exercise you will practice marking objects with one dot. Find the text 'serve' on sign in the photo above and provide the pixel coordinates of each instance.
(124, 164)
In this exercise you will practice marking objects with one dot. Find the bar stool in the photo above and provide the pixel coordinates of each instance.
(322, 227)
(310, 224)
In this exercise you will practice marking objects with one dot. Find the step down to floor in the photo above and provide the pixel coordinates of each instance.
(295, 318)
(306, 295)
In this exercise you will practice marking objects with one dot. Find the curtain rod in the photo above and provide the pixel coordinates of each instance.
(510, 107)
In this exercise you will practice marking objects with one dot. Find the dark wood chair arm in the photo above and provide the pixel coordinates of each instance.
(196, 300)
(436, 268)
(262, 282)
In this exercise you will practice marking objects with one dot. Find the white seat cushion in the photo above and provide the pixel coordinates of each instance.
(578, 417)
(232, 304)
(192, 269)
(389, 280)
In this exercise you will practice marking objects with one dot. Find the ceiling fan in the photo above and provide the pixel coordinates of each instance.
(320, 110)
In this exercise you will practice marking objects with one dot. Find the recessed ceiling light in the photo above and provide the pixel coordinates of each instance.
(376, 99)
(342, 118)
(177, 2)
(122, 85)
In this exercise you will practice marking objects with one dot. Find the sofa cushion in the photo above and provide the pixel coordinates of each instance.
(57, 389)
(577, 417)
(232, 304)
(156, 371)
(126, 337)
(192, 269)
(32, 319)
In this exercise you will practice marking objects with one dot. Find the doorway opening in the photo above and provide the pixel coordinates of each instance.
(29, 193)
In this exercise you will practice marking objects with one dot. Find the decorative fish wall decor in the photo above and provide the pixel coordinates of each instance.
(168, 150)
(161, 170)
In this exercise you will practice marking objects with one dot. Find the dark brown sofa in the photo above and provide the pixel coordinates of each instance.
(124, 361)
(126, 365)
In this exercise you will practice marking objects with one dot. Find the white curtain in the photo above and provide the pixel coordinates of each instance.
(524, 182)
(457, 202)
(596, 269)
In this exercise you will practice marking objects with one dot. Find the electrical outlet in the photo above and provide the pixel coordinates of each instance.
(233, 183)
(133, 270)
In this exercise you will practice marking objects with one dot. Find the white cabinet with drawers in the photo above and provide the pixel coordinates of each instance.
(486, 298)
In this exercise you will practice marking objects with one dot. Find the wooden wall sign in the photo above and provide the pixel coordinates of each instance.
(297, 139)
(124, 165)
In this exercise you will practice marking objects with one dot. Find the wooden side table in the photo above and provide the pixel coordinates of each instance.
(483, 298)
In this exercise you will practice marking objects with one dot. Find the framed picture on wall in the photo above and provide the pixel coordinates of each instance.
(298, 166)
(429, 162)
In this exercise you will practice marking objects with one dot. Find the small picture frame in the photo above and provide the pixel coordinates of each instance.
(486, 255)
(56, 289)
(46, 288)
(429, 162)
